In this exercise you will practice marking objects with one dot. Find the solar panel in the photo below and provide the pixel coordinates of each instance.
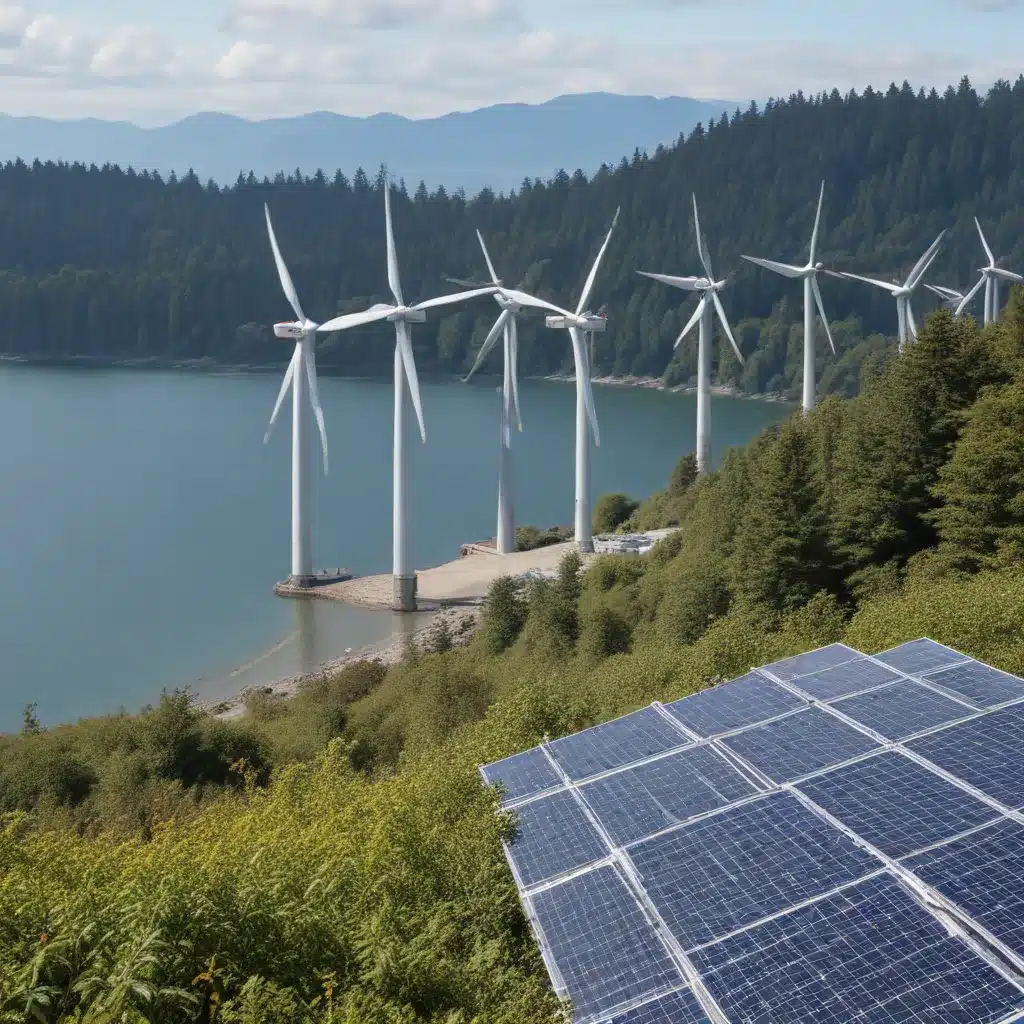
(554, 837)
(920, 656)
(902, 709)
(895, 804)
(522, 774)
(679, 1007)
(984, 685)
(870, 954)
(800, 744)
(748, 700)
(616, 743)
(718, 874)
(982, 873)
(601, 943)
(634, 803)
(850, 677)
(812, 661)
(986, 752)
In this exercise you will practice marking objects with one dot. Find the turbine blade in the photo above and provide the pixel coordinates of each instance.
(901, 317)
(393, 279)
(948, 294)
(922, 265)
(702, 243)
(282, 270)
(970, 295)
(785, 269)
(285, 385)
(343, 323)
(688, 284)
(579, 352)
(911, 322)
(513, 351)
(592, 276)
(314, 396)
(448, 300)
(817, 224)
(1006, 275)
(487, 256)
(489, 342)
(692, 321)
(409, 364)
(821, 312)
(988, 250)
(532, 301)
(725, 323)
(892, 289)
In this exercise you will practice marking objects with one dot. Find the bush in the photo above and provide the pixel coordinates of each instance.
(504, 615)
(611, 511)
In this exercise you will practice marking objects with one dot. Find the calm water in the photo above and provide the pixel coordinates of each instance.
(143, 524)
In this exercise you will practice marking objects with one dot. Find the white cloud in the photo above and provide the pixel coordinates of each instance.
(50, 45)
(249, 61)
(258, 16)
(132, 52)
(14, 20)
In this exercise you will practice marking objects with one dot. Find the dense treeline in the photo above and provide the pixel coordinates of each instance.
(335, 858)
(109, 263)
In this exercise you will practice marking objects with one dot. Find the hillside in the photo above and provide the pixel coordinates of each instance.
(335, 858)
(114, 265)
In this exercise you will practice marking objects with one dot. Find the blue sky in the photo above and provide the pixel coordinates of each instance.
(153, 62)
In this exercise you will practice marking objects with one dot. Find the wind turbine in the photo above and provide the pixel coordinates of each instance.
(301, 373)
(578, 324)
(709, 289)
(401, 315)
(903, 293)
(812, 295)
(990, 278)
(511, 302)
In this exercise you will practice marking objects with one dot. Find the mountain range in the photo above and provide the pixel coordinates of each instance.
(496, 146)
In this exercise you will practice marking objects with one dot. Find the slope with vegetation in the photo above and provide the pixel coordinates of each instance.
(111, 264)
(335, 857)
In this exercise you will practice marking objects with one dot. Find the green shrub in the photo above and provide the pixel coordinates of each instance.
(611, 511)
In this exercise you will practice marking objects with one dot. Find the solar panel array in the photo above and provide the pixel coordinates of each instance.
(832, 837)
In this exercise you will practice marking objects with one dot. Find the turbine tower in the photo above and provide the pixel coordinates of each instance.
(401, 315)
(812, 296)
(903, 293)
(990, 278)
(709, 289)
(301, 373)
(579, 325)
(511, 302)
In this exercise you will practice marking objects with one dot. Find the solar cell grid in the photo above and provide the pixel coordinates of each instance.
(849, 677)
(638, 801)
(745, 701)
(554, 837)
(896, 804)
(800, 744)
(986, 752)
(902, 709)
(870, 953)
(811, 661)
(616, 743)
(522, 775)
(602, 944)
(919, 656)
(721, 873)
(679, 1007)
(982, 684)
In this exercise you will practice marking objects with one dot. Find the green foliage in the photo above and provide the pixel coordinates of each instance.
(504, 614)
(529, 538)
(611, 511)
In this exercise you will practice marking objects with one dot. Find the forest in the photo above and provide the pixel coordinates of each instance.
(335, 857)
(112, 265)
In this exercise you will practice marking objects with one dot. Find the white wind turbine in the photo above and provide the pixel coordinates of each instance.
(401, 316)
(812, 296)
(301, 373)
(990, 278)
(903, 293)
(709, 289)
(579, 324)
(512, 302)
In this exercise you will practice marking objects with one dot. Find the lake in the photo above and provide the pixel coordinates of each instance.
(143, 523)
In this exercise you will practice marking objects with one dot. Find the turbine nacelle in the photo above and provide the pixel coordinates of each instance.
(407, 314)
(581, 323)
(294, 330)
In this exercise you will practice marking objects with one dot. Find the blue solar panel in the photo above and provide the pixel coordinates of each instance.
(601, 943)
(800, 744)
(920, 656)
(982, 873)
(554, 836)
(812, 661)
(676, 1008)
(987, 752)
(984, 685)
(895, 804)
(745, 701)
(850, 677)
(869, 954)
(721, 873)
(616, 743)
(902, 709)
(638, 801)
(522, 774)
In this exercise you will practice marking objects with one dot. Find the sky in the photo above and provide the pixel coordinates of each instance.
(152, 63)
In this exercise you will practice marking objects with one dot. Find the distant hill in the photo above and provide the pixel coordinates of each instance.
(494, 146)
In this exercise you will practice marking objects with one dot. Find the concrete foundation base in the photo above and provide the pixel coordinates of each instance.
(404, 593)
(585, 547)
(302, 582)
